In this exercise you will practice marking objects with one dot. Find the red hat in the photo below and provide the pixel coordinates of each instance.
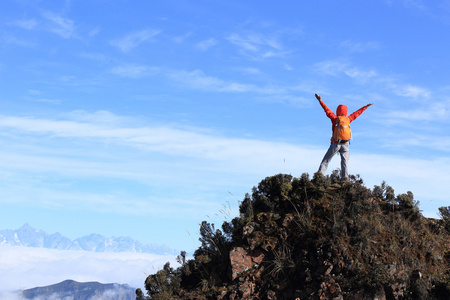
(342, 110)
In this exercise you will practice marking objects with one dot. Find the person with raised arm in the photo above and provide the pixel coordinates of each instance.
(341, 136)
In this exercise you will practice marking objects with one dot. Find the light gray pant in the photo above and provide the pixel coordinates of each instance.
(345, 156)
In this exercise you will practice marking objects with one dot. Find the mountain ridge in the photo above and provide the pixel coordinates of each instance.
(29, 236)
(70, 289)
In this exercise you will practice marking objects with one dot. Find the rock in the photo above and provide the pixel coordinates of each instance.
(287, 220)
(330, 289)
(248, 229)
(380, 295)
(247, 288)
(243, 260)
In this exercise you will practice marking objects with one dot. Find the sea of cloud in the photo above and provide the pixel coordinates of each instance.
(26, 267)
(107, 295)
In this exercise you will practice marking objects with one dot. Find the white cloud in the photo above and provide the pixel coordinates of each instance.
(257, 45)
(100, 57)
(412, 91)
(98, 147)
(427, 178)
(338, 67)
(23, 267)
(414, 4)
(34, 92)
(288, 67)
(99, 117)
(436, 111)
(94, 32)
(27, 24)
(46, 100)
(163, 139)
(436, 143)
(53, 22)
(199, 80)
(180, 39)
(133, 40)
(359, 74)
(206, 44)
(134, 71)
(46, 126)
(249, 43)
(359, 47)
(62, 26)
(153, 154)
(250, 70)
(9, 39)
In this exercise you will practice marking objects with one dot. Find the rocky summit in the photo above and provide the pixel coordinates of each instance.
(320, 238)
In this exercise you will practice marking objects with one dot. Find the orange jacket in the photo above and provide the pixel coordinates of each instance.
(341, 110)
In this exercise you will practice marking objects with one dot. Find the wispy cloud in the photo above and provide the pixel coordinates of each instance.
(404, 140)
(93, 32)
(257, 45)
(100, 57)
(133, 71)
(144, 154)
(338, 68)
(59, 25)
(437, 111)
(133, 40)
(99, 148)
(46, 100)
(250, 70)
(414, 4)
(27, 24)
(114, 201)
(53, 22)
(207, 44)
(9, 39)
(181, 38)
(163, 139)
(134, 153)
(411, 91)
(359, 47)
(197, 79)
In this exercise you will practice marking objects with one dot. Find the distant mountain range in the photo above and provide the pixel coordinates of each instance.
(70, 289)
(31, 237)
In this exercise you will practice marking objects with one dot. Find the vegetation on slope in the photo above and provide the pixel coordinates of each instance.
(319, 238)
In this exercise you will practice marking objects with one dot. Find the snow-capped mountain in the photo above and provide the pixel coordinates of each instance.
(31, 237)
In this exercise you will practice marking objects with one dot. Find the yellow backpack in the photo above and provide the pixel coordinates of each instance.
(342, 131)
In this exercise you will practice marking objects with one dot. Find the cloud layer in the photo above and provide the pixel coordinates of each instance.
(23, 267)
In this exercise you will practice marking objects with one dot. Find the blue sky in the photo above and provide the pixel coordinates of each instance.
(143, 118)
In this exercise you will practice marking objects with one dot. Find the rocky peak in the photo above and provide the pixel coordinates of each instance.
(319, 238)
